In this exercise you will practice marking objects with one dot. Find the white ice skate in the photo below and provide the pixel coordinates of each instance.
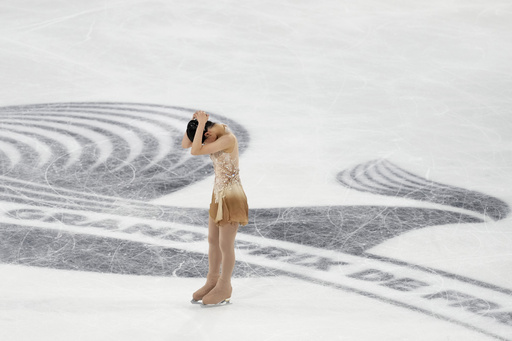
(224, 302)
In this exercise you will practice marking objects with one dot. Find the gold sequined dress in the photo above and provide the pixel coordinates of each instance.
(229, 203)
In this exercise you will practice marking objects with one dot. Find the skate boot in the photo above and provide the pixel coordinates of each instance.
(220, 295)
(211, 282)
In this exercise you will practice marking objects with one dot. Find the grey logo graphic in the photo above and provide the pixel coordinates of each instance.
(383, 177)
(78, 180)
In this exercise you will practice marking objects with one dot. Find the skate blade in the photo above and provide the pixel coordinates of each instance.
(193, 301)
(225, 302)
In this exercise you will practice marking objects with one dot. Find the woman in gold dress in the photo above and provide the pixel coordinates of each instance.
(228, 208)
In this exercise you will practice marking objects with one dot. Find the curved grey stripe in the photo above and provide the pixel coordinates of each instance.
(459, 197)
(413, 182)
(38, 147)
(360, 178)
(102, 142)
(28, 190)
(132, 140)
(240, 132)
(355, 175)
(11, 153)
(72, 147)
(165, 140)
(147, 127)
(373, 175)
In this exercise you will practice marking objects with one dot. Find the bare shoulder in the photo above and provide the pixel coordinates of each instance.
(231, 141)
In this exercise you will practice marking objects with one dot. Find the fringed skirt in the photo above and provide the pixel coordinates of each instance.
(230, 206)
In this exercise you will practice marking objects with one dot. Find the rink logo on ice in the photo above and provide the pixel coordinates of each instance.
(384, 178)
(78, 180)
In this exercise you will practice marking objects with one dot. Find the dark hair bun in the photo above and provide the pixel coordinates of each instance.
(192, 127)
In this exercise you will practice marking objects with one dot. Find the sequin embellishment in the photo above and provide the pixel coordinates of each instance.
(227, 173)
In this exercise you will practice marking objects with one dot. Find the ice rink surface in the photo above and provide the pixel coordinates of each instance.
(376, 154)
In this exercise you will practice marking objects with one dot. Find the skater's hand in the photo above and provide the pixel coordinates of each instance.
(201, 116)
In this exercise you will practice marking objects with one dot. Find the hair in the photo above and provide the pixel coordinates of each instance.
(192, 128)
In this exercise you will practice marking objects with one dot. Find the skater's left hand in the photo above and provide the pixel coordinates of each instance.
(201, 116)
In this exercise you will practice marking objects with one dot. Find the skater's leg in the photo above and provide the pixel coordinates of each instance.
(223, 289)
(214, 250)
(227, 234)
(214, 261)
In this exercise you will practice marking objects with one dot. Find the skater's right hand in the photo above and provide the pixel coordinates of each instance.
(201, 116)
(194, 117)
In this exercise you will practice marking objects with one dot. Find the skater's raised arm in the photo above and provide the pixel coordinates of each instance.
(216, 138)
(185, 142)
(222, 143)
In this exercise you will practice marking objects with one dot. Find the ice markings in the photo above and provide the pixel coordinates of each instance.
(160, 129)
(37, 152)
(385, 178)
(70, 144)
(104, 161)
(70, 137)
(134, 144)
(120, 150)
(349, 229)
(11, 152)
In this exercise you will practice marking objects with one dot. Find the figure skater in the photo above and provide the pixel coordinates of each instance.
(228, 208)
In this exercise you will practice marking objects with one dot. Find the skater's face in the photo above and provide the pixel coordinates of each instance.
(213, 133)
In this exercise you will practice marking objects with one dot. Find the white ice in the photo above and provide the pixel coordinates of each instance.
(321, 86)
